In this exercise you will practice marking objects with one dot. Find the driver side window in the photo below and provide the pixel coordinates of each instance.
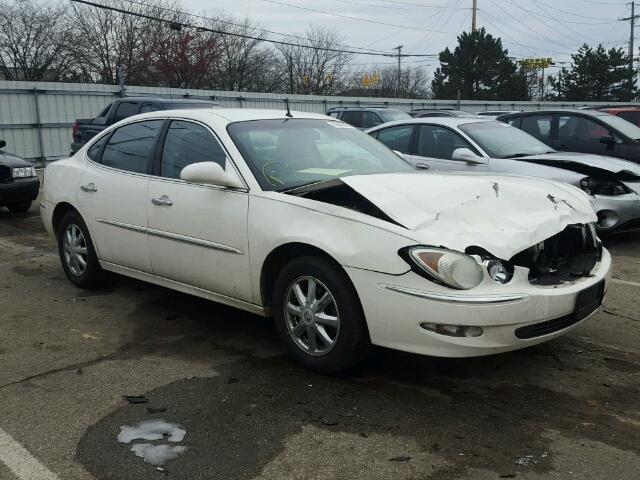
(438, 142)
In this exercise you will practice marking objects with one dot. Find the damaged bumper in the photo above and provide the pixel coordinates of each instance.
(400, 311)
(619, 213)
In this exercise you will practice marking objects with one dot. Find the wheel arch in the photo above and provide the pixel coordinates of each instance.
(280, 256)
(59, 212)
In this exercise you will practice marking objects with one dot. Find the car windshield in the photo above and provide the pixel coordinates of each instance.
(393, 115)
(623, 126)
(285, 154)
(500, 140)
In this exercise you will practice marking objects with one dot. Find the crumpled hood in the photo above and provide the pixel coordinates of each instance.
(610, 164)
(502, 214)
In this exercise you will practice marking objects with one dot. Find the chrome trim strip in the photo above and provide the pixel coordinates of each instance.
(194, 241)
(126, 226)
(174, 236)
(451, 297)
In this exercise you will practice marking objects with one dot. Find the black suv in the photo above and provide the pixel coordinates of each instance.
(586, 131)
(19, 184)
(366, 117)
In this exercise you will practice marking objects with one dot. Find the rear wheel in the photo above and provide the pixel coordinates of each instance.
(19, 207)
(318, 315)
(77, 255)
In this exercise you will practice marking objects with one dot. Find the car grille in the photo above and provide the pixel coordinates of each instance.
(587, 302)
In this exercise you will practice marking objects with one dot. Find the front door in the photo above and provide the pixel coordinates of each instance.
(113, 193)
(434, 146)
(197, 233)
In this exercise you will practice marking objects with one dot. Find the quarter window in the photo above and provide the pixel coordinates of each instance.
(125, 110)
(397, 138)
(188, 143)
(352, 118)
(94, 151)
(130, 147)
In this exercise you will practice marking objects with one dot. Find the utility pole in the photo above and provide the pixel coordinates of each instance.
(632, 20)
(398, 86)
(474, 16)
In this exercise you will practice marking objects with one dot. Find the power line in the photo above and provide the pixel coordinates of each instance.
(357, 19)
(180, 25)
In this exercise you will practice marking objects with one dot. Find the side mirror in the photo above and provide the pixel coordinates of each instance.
(466, 155)
(210, 173)
(3, 143)
(608, 140)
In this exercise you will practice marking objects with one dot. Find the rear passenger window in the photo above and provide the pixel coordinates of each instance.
(537, 125)
(188, 143)
(130, 147)
(149, 107)
(397, 138)
(352, 118)
(94, 151)
(125, 110)
(370, 119)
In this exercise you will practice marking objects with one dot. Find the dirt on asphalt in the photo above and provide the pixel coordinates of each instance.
(569, 408)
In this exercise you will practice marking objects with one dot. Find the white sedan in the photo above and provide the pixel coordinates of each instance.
(307, 219)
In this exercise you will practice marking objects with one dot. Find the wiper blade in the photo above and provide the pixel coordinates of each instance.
(518, 155)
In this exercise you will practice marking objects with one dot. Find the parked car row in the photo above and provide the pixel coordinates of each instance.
(345, 243)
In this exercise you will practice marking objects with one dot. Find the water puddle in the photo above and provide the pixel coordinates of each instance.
(155, 454)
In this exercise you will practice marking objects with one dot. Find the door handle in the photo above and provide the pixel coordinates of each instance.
(163, 201)
(91, 188)
(422, 166)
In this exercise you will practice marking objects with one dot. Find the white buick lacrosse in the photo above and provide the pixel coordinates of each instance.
(306, 219)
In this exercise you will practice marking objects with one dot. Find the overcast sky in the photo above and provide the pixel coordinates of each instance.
(528, 28)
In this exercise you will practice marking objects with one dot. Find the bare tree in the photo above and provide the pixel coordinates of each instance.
(35, 41)
(110, 40)
(312, 69)
(383, 82)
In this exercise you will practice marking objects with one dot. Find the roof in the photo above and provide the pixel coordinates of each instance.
(590, 113)
(234, 114)
(339, 109)
(167, 100)
(451, 122)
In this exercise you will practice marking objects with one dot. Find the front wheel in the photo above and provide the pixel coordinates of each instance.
(77, 255)
(318, 315)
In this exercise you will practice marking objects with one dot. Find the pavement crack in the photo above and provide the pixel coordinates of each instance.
(616, 314)
(75, 366)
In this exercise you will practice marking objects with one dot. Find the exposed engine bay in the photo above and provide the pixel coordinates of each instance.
(567, 255)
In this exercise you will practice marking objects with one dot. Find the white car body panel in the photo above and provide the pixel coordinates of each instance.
(213, 241)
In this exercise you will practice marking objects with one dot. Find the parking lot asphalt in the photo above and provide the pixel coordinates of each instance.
(569, 408)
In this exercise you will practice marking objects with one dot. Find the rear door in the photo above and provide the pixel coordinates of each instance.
(197, 233)
(113, 193)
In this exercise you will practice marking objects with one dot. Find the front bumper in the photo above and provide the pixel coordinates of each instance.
(617, 213)
(19, 190)
(396, 305)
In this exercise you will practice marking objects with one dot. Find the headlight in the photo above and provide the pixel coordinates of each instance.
(23, 172)
(594, 186)
(453, 269)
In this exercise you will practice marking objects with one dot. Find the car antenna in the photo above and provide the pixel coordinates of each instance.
(288, 114)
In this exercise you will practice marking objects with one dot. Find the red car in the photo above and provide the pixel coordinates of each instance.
(631, 114)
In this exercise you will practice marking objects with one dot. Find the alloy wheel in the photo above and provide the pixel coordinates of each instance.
(74, 247)
(311, 315)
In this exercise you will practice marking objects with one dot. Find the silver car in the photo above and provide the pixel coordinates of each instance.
(479, 145)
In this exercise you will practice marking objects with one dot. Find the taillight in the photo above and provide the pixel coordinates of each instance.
(74, 130)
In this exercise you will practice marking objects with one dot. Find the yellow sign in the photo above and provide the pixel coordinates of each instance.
(536, 62)
(369, 80)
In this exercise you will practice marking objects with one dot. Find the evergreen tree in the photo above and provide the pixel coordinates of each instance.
(596, 74)
(480, 69)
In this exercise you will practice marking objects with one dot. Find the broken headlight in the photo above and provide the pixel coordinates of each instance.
(446, 267)
(498, 271)
(593, 186)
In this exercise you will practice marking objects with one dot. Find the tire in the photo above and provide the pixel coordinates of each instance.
(89, 276)
(19, 207)
(350, 335)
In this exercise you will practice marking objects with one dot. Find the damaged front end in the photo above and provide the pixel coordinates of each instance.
(570, 254)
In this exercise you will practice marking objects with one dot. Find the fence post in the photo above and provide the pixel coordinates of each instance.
(43, 157)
